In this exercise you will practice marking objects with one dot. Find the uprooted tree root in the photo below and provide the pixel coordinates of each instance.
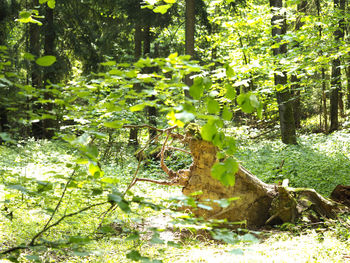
(258, 203)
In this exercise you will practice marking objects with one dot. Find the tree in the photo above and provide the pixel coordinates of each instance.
(339, 6)
(301, 9)
(3, 36)
(190, 22)
(284, 99)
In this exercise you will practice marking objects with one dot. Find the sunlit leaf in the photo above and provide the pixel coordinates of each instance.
(227, 114)
(213, 106)
(134, 255)
(46, 61)
(113, 124)
(208, 131)
(138, 107)
(161, 9)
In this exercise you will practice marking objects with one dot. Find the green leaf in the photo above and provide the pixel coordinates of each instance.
(227, 114)
(229, 71)
(254, 101)
(138, 107)
(29, 56)
(208, 131)
(219, 139)
(114, 198)
(34, 258)
(213, 106)
(161, 9)
(244, 102)
(185, 116)
(170, 1)
(225, 171)
(94, 170)
(6, 137)
(123, 205)
(108, 63)
(196, 90)
(51, 4)
(218, 170)
(113, 124)
(230, 145)
(134, 255)
(133, 236)
(46, 61)
(230, 92)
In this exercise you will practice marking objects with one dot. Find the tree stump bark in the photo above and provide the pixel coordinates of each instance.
(258, 203)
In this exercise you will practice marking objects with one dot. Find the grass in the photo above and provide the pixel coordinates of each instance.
(319, 161)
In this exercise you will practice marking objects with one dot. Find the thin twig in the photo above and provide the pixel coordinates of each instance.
(56, 209)
(50, 226)
(177, 149)
(154, 181)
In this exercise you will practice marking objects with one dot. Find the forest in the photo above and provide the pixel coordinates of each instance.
(174, 131)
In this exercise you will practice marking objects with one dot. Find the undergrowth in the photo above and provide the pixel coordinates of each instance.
(318, 161)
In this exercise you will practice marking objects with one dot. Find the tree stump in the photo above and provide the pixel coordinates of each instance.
(258, 203)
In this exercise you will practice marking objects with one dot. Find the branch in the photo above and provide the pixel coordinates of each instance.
(50, 226)
(56, 209)
(177, 149)
(168, 171)
(173, 135)
(154, 181)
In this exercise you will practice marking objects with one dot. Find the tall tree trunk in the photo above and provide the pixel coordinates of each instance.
(133, 135)
(285, 104)
(151, 111)
(49, 125)
(295, 80)
(324, 99)
(189, 35)
(36, 76)
(336, 72)
(348, 87)
(3, 37)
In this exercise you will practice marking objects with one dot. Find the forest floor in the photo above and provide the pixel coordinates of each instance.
(319, 161)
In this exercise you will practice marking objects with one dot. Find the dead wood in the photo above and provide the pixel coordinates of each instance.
(257, 203)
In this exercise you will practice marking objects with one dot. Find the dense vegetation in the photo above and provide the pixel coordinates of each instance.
(89, 89)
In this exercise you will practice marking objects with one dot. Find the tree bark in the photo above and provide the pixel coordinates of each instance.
(284, 100)
(49, 125)
(3, 36)
(133, 135)
(301, 9)
(255, 202)
(336, 72)
(36, 76)
(189, 36)
(348, 87)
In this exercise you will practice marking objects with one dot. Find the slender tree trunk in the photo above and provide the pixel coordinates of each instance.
(324, 99)
(3, 36)
(133, 136)
(348, 87)
(49, 125)
(285, 104)
(151, 111)
(189, 35)
(36, 76)
(295, 80)
(336, 72)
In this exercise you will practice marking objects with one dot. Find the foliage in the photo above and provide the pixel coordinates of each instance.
(78, 184)
(319, 161)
